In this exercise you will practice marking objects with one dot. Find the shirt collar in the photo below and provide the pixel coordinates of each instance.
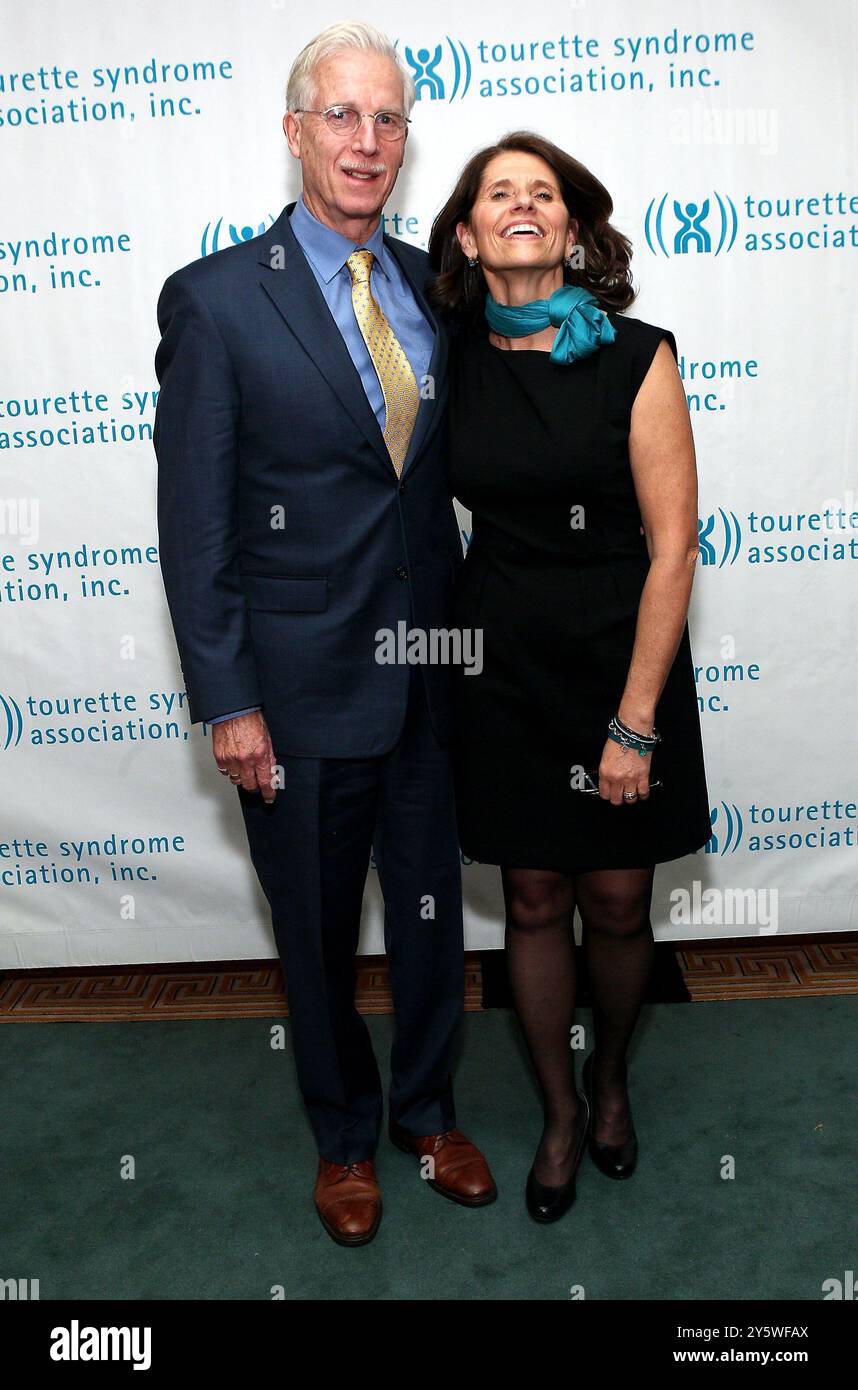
(328, 249)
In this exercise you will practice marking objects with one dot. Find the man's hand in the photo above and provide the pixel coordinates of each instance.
(243, 752)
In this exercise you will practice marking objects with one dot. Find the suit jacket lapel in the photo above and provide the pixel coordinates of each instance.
(292, 286)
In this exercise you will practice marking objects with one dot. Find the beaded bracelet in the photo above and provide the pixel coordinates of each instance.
(629, 738)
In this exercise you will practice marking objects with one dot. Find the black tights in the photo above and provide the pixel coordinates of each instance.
(617, 938)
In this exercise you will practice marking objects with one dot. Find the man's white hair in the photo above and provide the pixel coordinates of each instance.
(301, 87)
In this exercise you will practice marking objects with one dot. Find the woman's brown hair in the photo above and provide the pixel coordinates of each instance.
(460, 290)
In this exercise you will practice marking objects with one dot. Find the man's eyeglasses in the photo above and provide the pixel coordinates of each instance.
(345, 120)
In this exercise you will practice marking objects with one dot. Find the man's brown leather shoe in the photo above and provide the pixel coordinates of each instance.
(458, 1169)
(348, 1201)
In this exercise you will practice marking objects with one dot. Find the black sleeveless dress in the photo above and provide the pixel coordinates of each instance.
(557, 605)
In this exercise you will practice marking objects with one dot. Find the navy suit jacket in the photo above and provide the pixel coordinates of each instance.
(287, 541)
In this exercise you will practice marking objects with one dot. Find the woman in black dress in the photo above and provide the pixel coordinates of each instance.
(570, 442)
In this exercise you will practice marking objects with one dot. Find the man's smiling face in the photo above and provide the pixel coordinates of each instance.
(348, 178)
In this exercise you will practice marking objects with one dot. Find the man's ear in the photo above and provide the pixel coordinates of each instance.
(292, 131)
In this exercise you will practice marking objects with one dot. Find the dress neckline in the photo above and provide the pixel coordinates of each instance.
(518, 352)
(521, 352)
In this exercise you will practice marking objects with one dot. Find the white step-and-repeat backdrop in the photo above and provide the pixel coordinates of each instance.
(135, 137)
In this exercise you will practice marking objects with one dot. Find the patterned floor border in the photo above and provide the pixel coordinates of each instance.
(787, 968)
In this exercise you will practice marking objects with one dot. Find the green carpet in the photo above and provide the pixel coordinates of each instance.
(221, 1205)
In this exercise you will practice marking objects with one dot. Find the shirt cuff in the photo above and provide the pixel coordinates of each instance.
(220, 719)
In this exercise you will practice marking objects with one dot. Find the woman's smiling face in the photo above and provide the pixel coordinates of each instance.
(519, 219)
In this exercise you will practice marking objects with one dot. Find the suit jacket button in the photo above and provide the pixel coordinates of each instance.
(401, 572)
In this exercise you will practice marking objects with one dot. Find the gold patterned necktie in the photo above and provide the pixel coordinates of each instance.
(398, 385)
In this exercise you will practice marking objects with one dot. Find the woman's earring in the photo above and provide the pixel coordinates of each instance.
(567, 261)
(473, 260)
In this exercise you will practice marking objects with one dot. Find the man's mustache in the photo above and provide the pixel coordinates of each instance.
(363, 168)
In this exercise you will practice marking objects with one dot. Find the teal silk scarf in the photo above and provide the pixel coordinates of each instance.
(584, 327)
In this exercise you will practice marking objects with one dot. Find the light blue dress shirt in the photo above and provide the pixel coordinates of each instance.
(327, 251)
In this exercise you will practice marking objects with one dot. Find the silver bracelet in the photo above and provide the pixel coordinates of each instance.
(630, 738)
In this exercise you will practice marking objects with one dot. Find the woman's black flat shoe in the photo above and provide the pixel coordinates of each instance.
(614, 1160)
(550, 1203)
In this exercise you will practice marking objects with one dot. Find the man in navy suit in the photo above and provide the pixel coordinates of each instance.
(303, 511)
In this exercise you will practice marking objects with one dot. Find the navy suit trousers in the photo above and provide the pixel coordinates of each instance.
(311, 851)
